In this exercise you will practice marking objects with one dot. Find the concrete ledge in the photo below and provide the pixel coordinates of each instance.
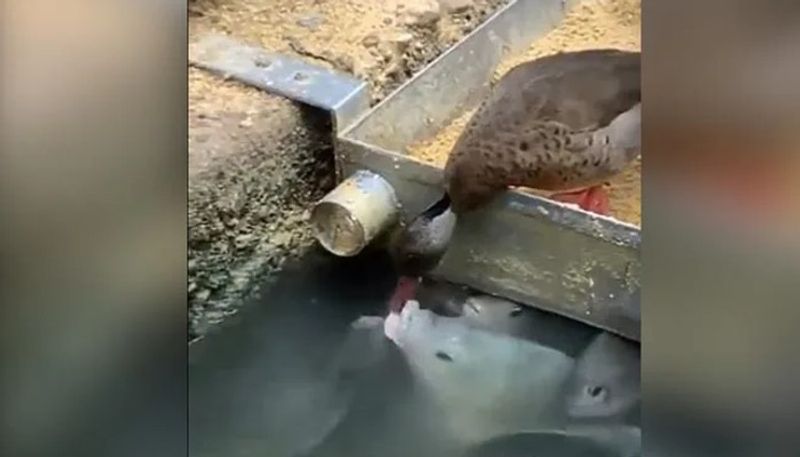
(256, 164)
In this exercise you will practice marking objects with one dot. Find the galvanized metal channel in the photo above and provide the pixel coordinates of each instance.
(340, 94)
(529, 249)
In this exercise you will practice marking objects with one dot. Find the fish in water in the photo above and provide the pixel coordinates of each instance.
(478, 310)
(307, 406)
(503, 316)
(483, 384)
(563, 123)
(606, 383)
(612, 441)
(373, 376)
(442, 297)
(624, 440)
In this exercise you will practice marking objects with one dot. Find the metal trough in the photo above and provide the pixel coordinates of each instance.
(523, 247)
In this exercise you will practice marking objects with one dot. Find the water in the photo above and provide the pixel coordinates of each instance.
(298, 374)
(606, 382)
(615, 441)
(482, 384)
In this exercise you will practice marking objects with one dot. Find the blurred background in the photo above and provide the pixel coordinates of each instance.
(721, 213)
(93, 205)
(93, 179)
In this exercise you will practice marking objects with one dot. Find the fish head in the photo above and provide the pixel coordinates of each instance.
(492, 313)
(606, 381)
(442, 297)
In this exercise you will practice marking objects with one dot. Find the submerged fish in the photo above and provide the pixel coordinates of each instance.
(503, 316)
(442, 297)
(329, 397)
(371, 374)
(484, 384)
(607, 380)
(478, 310)
(624, 440)
(571, 442)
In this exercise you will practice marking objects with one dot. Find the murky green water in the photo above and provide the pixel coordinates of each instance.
(291, 377)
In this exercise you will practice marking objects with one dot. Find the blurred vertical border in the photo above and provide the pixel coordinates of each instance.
(93, 167)
(93, 179)
(721, 220)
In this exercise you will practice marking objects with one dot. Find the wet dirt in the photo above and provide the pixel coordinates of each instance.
(590, 24)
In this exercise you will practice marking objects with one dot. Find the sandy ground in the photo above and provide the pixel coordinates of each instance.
(590, 24)
(383, 42)
(256, 161)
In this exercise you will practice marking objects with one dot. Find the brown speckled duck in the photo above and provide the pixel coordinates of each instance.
(565, 123)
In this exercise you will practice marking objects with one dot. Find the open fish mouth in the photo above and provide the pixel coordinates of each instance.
(397, 324)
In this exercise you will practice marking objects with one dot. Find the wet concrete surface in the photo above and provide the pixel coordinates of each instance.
(289, 376)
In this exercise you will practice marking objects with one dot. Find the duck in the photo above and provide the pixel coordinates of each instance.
(564, 123)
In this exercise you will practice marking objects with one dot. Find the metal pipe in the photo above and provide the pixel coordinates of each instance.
(354, 213)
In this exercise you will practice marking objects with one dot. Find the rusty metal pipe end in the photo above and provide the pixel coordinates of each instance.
(354, 213)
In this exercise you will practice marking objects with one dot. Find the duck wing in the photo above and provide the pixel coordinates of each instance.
(564, 121)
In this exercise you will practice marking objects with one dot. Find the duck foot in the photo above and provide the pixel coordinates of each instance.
(405, 290)
(594, 199)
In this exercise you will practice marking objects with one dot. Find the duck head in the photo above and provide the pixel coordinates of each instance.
(419, 247)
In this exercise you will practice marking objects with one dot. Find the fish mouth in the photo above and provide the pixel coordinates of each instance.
(396, 324)
(392, 327)
(405, 290)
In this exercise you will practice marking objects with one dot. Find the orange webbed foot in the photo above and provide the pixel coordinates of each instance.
(594, 199)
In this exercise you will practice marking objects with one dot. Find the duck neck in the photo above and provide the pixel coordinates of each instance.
(625, 132)
(439, 207)
(434, 229)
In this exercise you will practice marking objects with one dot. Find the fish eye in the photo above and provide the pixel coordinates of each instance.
(595, 391)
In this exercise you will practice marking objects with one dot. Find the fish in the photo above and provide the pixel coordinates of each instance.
(499, 315)
(484, 384)
(510, 318)
(623, 440)
(570, 442)
(606, 383)
(370, 375)
(442, 297)
(364, 346)
(333, 393)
